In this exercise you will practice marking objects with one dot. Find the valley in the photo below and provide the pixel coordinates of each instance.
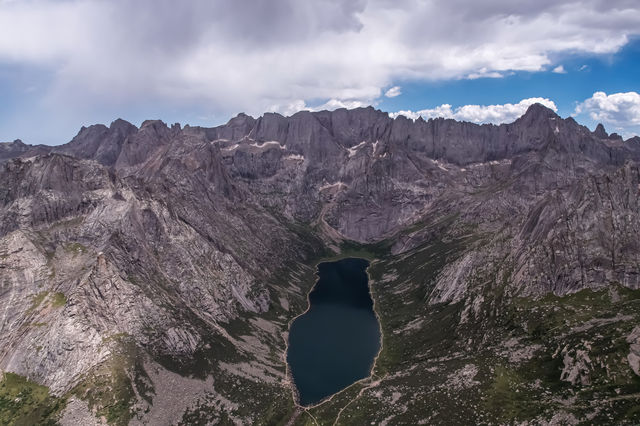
(149, 275)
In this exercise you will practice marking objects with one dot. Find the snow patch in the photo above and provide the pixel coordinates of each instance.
(264, 144)
(231, 148)
(353, 150)
(331, 185)
(440, 165)
(491, 163)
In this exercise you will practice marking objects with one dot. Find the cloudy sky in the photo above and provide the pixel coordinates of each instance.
(68, 63)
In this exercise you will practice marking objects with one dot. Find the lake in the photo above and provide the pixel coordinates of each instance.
(335, 342)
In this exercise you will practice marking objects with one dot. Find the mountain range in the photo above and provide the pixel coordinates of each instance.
(149, 275)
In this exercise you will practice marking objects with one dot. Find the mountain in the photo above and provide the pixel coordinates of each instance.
(148, 275)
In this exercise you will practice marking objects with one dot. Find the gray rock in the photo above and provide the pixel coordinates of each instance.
(167, 239)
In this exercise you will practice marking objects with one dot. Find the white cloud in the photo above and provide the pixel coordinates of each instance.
(504, 113)
(393, 92)
(443, 111)
(332, 104)
(484, 73)
(559, 70)
(224, 56)
(620, 110)
(300, 105)
(288, 108)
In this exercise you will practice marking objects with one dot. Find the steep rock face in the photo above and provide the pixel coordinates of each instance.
(86, 256)
(366, 160)
(46, 189)
(99, 142)
(152, 137)
(589, 234)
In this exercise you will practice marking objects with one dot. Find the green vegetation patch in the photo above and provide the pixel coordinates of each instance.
(365, 251)
(508, 399)
(109, 388)
(37, 300)
(23, 402)
(58, 300)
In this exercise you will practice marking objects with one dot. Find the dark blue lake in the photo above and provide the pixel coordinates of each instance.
(335, 342)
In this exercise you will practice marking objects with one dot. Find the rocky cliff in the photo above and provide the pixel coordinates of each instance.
(148, 275)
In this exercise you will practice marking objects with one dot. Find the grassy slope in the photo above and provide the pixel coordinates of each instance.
(23, 402)
(413, 375)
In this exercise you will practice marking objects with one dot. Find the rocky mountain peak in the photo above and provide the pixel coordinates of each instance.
(156, 124)
(537, 112)
(9, 148)
(600, 132)
(615, 136)
(119, 123)
(241, 119)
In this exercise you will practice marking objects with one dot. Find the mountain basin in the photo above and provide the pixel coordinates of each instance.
(334, 343)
